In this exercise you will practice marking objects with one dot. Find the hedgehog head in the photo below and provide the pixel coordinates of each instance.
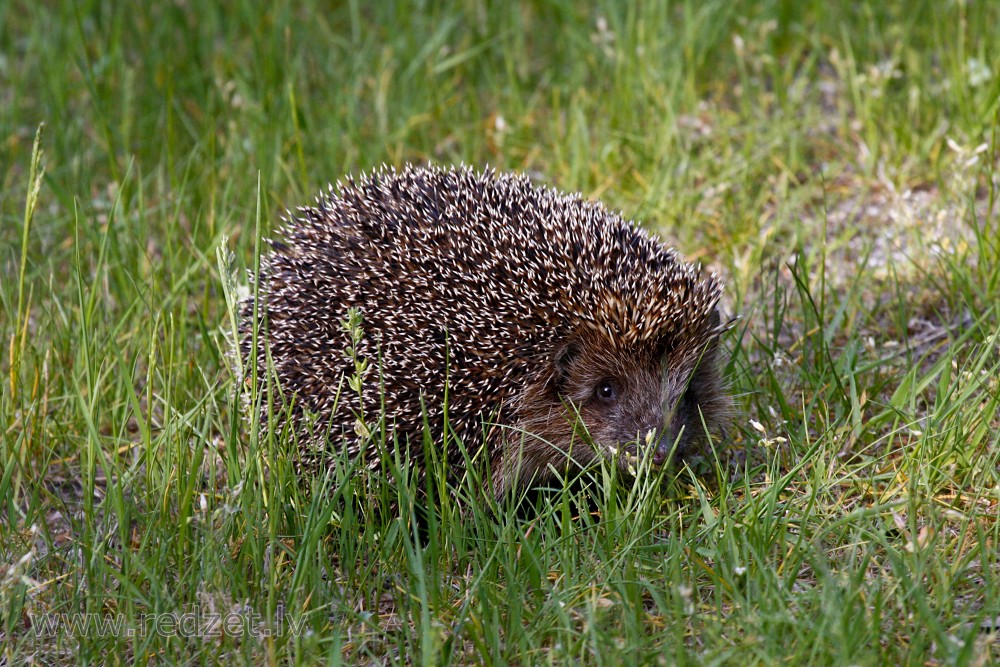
(636, 374)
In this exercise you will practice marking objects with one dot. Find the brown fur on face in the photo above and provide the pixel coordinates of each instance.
(597, 399)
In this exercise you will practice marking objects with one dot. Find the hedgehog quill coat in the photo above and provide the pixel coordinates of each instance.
(559, 331)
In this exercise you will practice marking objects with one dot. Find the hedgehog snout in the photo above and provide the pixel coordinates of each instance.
(669, 446)
(667, 440)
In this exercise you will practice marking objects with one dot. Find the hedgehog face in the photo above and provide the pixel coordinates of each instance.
(650, 401)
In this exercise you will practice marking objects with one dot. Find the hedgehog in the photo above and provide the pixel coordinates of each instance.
(537, 329)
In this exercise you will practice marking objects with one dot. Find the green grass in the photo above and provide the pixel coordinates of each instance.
(837, 162)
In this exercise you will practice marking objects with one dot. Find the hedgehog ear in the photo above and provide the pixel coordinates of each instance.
(715, 327)
(713, 334)
(564, 357)
(714, 320)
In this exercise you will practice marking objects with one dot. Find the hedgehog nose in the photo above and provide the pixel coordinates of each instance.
(668, 443)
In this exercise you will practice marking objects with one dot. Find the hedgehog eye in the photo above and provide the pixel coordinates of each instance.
(606, 391)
